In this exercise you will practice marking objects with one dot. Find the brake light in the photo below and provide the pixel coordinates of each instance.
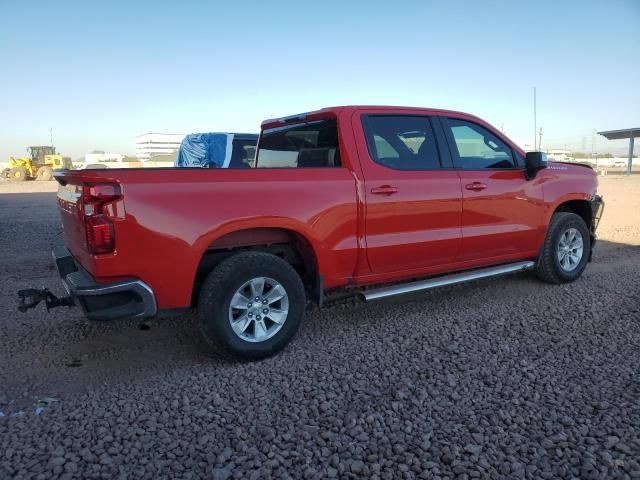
(99, 227)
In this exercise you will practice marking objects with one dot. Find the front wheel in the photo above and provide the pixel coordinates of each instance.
(44, 174)
(18, 174)
(566, 249)
(251, 305)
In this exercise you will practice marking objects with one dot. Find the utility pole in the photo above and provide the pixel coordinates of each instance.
(540, 142)
(594, 153)
(630, 164)
(535, 148)
(51, 135)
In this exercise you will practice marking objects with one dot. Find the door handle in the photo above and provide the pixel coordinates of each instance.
(384, 190)
(475, 186)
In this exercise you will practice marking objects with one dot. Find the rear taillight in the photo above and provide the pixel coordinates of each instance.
(99, 227)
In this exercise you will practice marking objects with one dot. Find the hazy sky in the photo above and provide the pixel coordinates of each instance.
(100, 73)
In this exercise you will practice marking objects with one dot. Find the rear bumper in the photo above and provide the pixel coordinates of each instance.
(131, 298)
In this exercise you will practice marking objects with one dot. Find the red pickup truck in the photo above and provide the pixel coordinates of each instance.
(377, 200)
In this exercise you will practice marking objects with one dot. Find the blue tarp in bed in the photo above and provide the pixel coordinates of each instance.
(205, 150)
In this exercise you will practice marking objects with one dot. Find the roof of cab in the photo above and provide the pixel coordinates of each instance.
(334, 111)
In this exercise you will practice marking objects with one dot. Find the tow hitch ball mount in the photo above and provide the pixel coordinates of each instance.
(31, 297)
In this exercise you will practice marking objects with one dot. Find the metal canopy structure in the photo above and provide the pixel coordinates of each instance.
(629, 133)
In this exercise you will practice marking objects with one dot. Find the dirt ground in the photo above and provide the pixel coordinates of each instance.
(506, 378)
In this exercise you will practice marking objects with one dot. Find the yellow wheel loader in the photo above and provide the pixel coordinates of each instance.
(41, 163)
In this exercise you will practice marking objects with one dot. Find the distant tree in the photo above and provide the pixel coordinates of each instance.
(579, 155)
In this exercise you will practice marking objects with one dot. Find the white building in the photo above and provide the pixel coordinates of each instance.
(559, 154)
(103, 157)
(149, 145)
(527, 146)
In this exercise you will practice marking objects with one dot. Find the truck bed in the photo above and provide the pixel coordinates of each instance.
(168, 218)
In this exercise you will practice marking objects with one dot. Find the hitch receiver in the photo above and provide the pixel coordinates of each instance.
(31, 297)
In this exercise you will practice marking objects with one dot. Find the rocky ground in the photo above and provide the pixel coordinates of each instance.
(508, 378)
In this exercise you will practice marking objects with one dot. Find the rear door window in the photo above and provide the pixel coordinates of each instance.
(306, 145)
(401, 142)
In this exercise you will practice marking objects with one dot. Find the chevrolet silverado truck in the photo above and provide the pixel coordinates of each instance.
(375, 200)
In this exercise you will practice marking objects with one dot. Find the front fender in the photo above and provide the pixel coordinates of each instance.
(564, 183)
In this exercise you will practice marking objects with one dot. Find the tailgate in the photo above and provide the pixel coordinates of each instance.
(70, 206)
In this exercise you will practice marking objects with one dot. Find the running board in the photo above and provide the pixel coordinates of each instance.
(392, 290)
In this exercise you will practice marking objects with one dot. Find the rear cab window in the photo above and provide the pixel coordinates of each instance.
(311, 144)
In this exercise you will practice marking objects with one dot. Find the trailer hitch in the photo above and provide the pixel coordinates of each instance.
(31, 297)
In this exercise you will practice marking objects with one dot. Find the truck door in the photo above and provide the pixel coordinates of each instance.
(413, 195)
(502, 211)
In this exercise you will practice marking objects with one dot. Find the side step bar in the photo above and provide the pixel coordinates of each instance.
(392, 290)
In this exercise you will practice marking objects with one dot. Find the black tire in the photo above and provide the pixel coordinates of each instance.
(44, 174)
(5, 173)
(220, 287)
(18, 174)
(549, 268)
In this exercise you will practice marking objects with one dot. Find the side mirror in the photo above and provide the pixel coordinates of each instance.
(533, 162)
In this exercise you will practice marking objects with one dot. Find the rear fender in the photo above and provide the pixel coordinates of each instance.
(264, 232)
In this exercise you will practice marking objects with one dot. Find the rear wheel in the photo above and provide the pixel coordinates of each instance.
(44, 174)
(18, 174)
(5, 173)
(251, 305)
(566, 249)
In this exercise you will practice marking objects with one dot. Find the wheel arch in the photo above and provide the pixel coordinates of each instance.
(580, 207)
(291, 244)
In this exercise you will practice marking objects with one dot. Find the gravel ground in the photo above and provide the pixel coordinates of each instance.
(508, 378)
